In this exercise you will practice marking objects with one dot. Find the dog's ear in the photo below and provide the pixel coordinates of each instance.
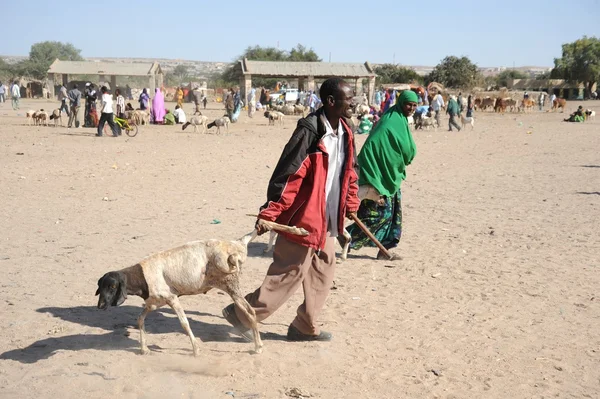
(121, 290)
(235, 262)
(99, 285)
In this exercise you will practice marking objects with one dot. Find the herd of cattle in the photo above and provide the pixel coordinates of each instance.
(505, 104)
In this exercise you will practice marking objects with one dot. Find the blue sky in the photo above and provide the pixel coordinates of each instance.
(490, 33)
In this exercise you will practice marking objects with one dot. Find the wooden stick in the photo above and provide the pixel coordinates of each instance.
(370, 235)
(298, 231)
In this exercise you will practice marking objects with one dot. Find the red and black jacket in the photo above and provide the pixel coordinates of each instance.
(296, 193)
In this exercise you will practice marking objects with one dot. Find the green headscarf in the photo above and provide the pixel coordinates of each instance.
(388, 150)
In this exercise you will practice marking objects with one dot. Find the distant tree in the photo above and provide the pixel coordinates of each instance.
(580, 62)
(544, 75)
(503, 77)
(179, 75)
(455, 72)
(390, 73)
(232, 74)
(6, 71)
(43, 54)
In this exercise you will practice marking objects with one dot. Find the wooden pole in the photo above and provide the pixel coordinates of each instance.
(370, 235)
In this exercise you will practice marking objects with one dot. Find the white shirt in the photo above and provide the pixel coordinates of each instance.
(15, 91)
(107, 102)
(438, 102)
(180, 115)
(334, 144)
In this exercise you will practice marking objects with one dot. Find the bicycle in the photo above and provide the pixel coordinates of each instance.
(131, 129)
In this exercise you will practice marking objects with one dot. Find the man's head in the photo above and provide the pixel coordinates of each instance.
(104, 90)
(177, 107)
(337, 97)
(75, 85)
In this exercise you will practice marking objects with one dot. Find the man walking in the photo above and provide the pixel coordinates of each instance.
(15, 92)
(453, 111)
(63, 96)
(2, 93)
(438, 104)
(107, 113)
(75, 100)
(313, 186)
(541, 100)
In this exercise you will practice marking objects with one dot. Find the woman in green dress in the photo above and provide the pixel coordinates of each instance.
(382, 161)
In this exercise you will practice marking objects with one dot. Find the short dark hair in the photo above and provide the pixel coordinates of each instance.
(330, 87)
(104, 89)
(74, 85)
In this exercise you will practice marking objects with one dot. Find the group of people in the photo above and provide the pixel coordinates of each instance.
(580, 115)
(15, 94)
(317, 196)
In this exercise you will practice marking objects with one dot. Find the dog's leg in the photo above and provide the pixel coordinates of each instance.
(147, 309)
(176, 306)
(250, 314)
(272, 237)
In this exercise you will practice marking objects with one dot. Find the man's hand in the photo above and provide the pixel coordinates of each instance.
(260, 227)
(351, 214)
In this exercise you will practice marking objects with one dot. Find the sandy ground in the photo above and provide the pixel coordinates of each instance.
(496, 296)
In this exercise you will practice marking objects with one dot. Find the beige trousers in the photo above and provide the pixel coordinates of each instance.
(294, 265)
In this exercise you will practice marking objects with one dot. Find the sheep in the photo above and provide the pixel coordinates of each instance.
(427, 122)
(56, 116)
(40, 117)
(30, 114)
(141, 117)
(196, 121)
(300, 110)
(224, 121)
(287, 110)
(193, 268)
(362, 110)
(273, 116)
(589, 114)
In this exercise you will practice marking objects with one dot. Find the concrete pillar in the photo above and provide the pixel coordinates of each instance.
(310, 84)
(113, 83)
(302, 84)
(51, 80)
(358, 86)
(151, 85)
(371, 92)
(65, 80)
(101, 79)
(245, 86)
(160, 78)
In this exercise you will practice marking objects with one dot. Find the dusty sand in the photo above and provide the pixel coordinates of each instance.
(496, 297)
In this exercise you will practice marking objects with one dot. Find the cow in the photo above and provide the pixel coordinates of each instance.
(559, 103)
(510, 103)
(527, 105)
(500, 105)
(487, 102)
(477, 104)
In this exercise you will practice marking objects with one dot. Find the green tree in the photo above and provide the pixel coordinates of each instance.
(178, 75)
(455, 72)
(390, 73)
(503, 77)
(43, 54)
(580, 62)
(232, 74)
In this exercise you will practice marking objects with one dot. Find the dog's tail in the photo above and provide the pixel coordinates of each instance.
(212, 124)
(185, 125)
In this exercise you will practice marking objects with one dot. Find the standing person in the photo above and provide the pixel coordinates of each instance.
(158, 107)
(196, 94)
(229, 106)
(15, 93)
(120, 103)
(453, 112)
(75, 100)
(107, 113)
(438, 105)
(91, 115)
(2, 93)
(128, 92)
(313, 187)
(144, 100)
(251, 102)
(204, 101)
(63, 96)
(470, 106)
(383, 159)
(378, 97)
(180, 97)
(313, 102)
(237, 106)
(459, 101)
(541, 100)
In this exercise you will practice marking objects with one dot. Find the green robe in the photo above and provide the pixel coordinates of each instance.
(388, 150)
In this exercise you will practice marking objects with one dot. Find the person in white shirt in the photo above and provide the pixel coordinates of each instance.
(15, 92)
(438, 104)
(107, 113)
(120, 103)
(2, 92)
(179, 115)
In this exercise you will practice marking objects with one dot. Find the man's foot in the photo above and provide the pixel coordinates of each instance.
(295, 335)
(240, 329)
(98, 135)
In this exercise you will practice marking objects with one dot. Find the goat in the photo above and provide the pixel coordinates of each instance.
(30, 114)
(141, 117)
(196, 121)
(361, 110)
(273, 116)
(224, 121)
(300, 110)
(193, 268)
(56, 116)
(427, 122)
(467, 121)
(40, 117)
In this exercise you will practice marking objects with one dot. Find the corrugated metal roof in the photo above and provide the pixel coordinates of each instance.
(104, 68)
(304, 69)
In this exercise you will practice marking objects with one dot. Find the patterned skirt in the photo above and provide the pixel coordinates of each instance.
(384, 221)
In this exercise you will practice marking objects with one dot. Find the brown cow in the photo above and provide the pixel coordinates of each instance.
(500, 105)
(487, 102)
(559, 103)
(477, 104)
(510, 103)
(527, 104)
